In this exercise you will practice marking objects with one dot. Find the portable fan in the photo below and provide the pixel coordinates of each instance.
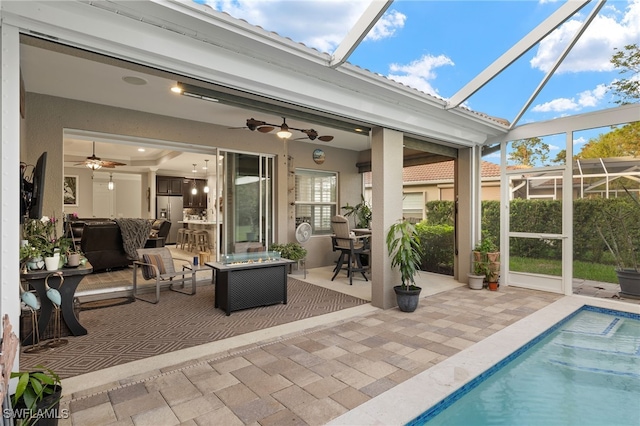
(303, 233)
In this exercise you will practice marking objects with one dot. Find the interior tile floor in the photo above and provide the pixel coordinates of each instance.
(307, 372)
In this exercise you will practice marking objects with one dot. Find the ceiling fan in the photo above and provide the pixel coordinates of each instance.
(284, 130)
(95, 163)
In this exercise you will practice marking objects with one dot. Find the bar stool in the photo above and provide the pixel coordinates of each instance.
(180, 238)
(186, 239)
(201, 240)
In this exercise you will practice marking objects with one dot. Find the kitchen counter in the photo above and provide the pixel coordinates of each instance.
(199, 222)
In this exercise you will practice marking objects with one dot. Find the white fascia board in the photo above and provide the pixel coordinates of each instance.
(347, 91)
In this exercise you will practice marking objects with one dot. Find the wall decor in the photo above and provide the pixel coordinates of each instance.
(70, 190)
(318, 156)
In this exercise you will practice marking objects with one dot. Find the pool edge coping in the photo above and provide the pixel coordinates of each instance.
(408, 400)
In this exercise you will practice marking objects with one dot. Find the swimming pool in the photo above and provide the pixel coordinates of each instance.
(583, 370)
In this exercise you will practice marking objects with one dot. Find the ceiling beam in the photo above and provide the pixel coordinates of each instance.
(563, 13)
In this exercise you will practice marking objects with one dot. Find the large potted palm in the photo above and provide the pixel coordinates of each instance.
(403, 244)
(619, 227)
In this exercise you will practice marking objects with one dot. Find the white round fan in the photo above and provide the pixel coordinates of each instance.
(303, 232)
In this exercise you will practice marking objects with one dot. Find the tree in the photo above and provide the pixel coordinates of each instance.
(529, 151)
(620, 142)
(628, 60)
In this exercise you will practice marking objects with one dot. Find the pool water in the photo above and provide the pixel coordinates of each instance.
(585, 370)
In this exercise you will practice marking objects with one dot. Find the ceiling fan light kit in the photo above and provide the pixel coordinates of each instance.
(95, 163)
(285, 130)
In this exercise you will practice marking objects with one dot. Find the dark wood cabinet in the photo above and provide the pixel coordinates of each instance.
(168, 185)
(199, 199)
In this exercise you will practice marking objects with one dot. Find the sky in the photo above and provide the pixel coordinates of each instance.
(439, 46)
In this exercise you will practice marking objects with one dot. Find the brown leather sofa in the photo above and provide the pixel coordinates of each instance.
(101, 243)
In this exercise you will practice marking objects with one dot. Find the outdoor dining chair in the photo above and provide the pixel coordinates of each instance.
(351, 247)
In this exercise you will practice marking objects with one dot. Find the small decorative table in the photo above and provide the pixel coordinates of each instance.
(72, 277)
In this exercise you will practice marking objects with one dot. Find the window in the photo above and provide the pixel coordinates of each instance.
(413, 205)
(316, 199)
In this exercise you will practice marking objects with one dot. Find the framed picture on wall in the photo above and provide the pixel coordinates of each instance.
(70, 190)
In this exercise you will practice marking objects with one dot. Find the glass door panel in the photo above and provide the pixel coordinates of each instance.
(248, 195)
(535, 229)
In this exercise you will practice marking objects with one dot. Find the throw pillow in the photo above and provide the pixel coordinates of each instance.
(148, 272)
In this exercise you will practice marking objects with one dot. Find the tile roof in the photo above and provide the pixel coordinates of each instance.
(437, 172)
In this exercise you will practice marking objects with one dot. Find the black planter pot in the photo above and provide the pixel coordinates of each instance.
(407, 299)
(46, 413)
(629, 280)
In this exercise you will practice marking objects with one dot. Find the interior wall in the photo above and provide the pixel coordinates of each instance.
(349, 189)
(47, 117)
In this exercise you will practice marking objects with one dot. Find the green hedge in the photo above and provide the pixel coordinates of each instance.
(437, 246)
(543, 216)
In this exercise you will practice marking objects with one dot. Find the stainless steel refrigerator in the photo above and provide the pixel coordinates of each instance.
(170, 207)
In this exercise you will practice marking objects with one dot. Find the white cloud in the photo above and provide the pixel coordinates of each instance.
(586, 99)
(387, 25)
(579, 140)
(318, 24)
(418, 73)
(556, 105)
(611, 28)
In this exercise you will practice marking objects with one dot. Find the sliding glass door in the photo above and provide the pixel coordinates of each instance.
(247, 191)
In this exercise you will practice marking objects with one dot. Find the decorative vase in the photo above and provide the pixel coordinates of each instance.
(35, 263)
(407, 299)
(52, 263)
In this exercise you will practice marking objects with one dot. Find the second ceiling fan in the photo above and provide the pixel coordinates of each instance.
(284, 130)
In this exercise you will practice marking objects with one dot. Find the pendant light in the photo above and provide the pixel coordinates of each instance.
(194, 190)
(110, 184)
(284, 132)
(206, 173)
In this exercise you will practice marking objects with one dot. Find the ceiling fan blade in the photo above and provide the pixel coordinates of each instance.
(265, 129)
(112, 163)
(300, 139)
(325, 138)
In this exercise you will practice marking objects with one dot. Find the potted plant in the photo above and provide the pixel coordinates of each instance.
(486, 262)
(403, 244)
(619, 227)
(476, 279)
(42, 235)
(291, 251)
(361, 213)
(37, 397)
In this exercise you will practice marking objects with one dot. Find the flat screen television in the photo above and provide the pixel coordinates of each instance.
(33, 189)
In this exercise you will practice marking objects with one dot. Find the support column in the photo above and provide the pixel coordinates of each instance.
(386, 167)
(10, 177)
(467, 218)
(151, 187)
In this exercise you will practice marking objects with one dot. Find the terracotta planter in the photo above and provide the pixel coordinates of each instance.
(493, 286)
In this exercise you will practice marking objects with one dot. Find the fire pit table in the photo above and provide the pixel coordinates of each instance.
(250, 280)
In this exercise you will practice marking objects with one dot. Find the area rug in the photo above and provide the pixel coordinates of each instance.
(139, 330)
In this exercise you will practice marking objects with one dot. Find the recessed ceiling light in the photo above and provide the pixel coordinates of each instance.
(136, 81)
(141, 150)
(358, 129)
(176, 89)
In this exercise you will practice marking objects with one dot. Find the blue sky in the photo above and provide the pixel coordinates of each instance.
(438, 46)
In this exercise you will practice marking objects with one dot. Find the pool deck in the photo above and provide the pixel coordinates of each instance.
(358, 366)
